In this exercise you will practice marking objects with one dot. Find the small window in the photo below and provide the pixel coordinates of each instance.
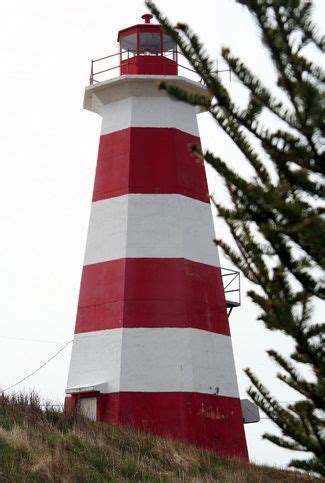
(129, 42)
(150, 43)
(169, 43)
(169, 47)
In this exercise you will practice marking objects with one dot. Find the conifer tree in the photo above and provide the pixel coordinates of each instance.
(276, 216)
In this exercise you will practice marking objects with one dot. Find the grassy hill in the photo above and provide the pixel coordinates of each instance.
(41, 444)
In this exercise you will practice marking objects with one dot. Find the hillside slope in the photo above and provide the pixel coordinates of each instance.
(40, 444)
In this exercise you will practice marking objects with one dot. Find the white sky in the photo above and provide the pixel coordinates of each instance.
(48, 149)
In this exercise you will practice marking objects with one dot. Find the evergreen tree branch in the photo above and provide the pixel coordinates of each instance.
(276, 225)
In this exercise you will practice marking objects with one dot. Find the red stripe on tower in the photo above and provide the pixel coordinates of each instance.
(138, 160)
(151, 292)
(192, 416)
(152, 345)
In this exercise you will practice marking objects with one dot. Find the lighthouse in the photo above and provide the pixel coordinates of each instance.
(152, 346)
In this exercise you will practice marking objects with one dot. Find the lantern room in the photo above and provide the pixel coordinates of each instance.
(147, 49)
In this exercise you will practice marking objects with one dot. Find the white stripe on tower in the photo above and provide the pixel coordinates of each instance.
(154, 360)
(151, 226)
(160, 112)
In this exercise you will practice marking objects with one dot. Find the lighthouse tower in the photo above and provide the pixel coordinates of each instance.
(152, 345)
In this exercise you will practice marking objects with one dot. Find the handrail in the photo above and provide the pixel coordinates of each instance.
(174, 54)
(167, 54)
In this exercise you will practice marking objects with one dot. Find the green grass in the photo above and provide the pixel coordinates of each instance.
(41, 445)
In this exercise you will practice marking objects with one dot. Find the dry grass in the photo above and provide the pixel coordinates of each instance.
(46, 445)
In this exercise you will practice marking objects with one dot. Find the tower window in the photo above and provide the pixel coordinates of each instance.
(150, 43)
(169, 47)
(129, 42)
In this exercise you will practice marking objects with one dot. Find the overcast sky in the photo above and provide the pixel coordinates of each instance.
(48, 148)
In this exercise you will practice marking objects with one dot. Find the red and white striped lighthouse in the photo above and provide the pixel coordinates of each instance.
(152, 345)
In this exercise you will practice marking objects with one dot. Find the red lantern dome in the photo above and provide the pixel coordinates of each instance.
(147, 49)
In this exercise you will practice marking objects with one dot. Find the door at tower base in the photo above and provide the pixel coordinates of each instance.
(205, 420)
(88, 407)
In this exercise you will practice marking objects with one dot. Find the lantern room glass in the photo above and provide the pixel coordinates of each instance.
(169, 47)
(150, 43)
(129, 44)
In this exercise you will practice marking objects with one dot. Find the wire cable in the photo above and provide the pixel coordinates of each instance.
(38, 369)
(62, 349)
